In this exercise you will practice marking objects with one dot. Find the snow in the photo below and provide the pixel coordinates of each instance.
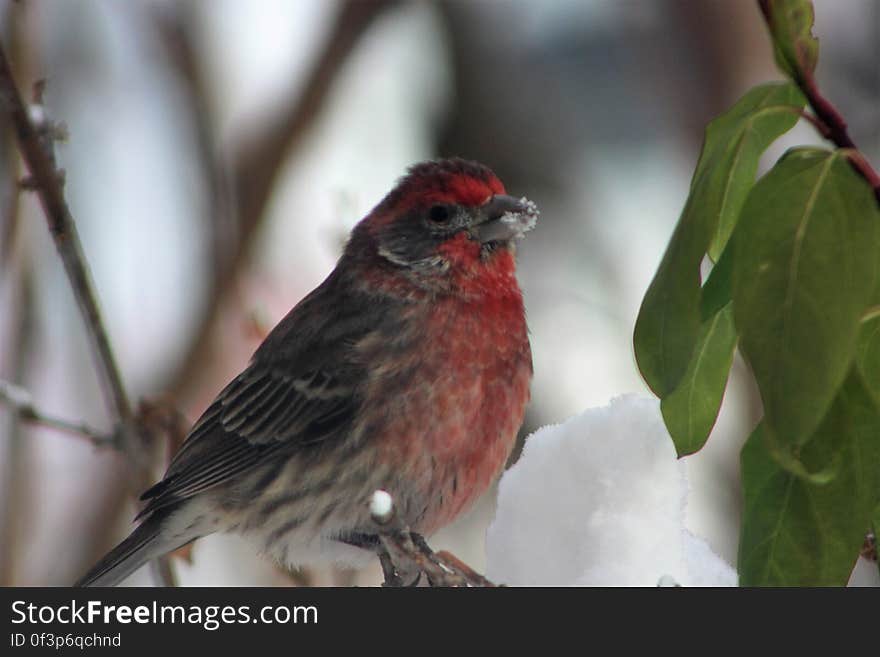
(381, 505)
(523, 221)
(600, 501)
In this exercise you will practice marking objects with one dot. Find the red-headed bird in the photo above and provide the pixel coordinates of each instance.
(406, 370)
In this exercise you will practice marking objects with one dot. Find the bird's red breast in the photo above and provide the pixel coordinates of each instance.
(457, 420)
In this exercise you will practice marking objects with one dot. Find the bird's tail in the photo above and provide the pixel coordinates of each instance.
(144, 543)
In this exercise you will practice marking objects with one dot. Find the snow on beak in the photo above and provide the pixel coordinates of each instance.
(505, 218)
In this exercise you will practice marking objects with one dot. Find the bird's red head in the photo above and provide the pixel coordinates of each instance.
(448, 223)
(453, 181)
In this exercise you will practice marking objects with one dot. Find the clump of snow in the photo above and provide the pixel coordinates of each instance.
(381, 505)
(524, 220)
(599, 500)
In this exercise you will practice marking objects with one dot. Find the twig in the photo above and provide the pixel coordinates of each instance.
(820, 127)
(15, 465)
(405, 555)
(21, 402)
(61, 226)
(36, 149)
(860, 163)
(828, 119)
(10, 192)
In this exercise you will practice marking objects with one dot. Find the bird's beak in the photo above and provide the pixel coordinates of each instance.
(504, 218)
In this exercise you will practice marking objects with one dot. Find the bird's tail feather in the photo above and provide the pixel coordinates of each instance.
(144, 543)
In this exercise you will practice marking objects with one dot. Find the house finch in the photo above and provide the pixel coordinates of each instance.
(407, 370)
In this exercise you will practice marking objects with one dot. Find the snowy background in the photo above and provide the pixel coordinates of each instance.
(592, 108)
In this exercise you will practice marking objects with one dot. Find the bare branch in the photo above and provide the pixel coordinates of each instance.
(860, 163)
(45, 179)
(15, 465)
(256, 166)
(21, 402)
(828, 120)
(36, 146)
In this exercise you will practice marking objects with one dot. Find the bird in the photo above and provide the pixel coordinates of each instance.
(406, 370)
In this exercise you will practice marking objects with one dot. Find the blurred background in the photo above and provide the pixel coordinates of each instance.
(219, 153)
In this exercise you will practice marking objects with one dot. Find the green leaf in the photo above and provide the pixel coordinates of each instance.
(805, 270)
(795, 532)
(791, 24)
(788, 457)
(875, 530)
(669, 321)
(868, 345)
(668, 324)
(691, 409)
(718, 288)
(868, 354)
(734, 143)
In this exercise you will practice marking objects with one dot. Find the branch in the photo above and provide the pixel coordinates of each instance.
(405, 555)
(14, 471)
(46, 182)
(860, 163)
(21, 402)
(828, 119)
(35, 144)
(835, 129)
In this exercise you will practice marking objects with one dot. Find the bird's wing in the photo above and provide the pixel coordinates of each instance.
(258, 413)
(299, 390)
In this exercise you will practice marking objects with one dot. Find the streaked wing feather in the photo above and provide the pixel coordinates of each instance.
(295, 401)
(260, 412)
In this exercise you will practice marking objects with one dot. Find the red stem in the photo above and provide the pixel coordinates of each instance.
(833, 126)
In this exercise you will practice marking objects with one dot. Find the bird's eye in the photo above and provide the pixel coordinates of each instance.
(439, 214)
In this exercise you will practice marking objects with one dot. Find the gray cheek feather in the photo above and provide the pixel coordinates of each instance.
(428, 264)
